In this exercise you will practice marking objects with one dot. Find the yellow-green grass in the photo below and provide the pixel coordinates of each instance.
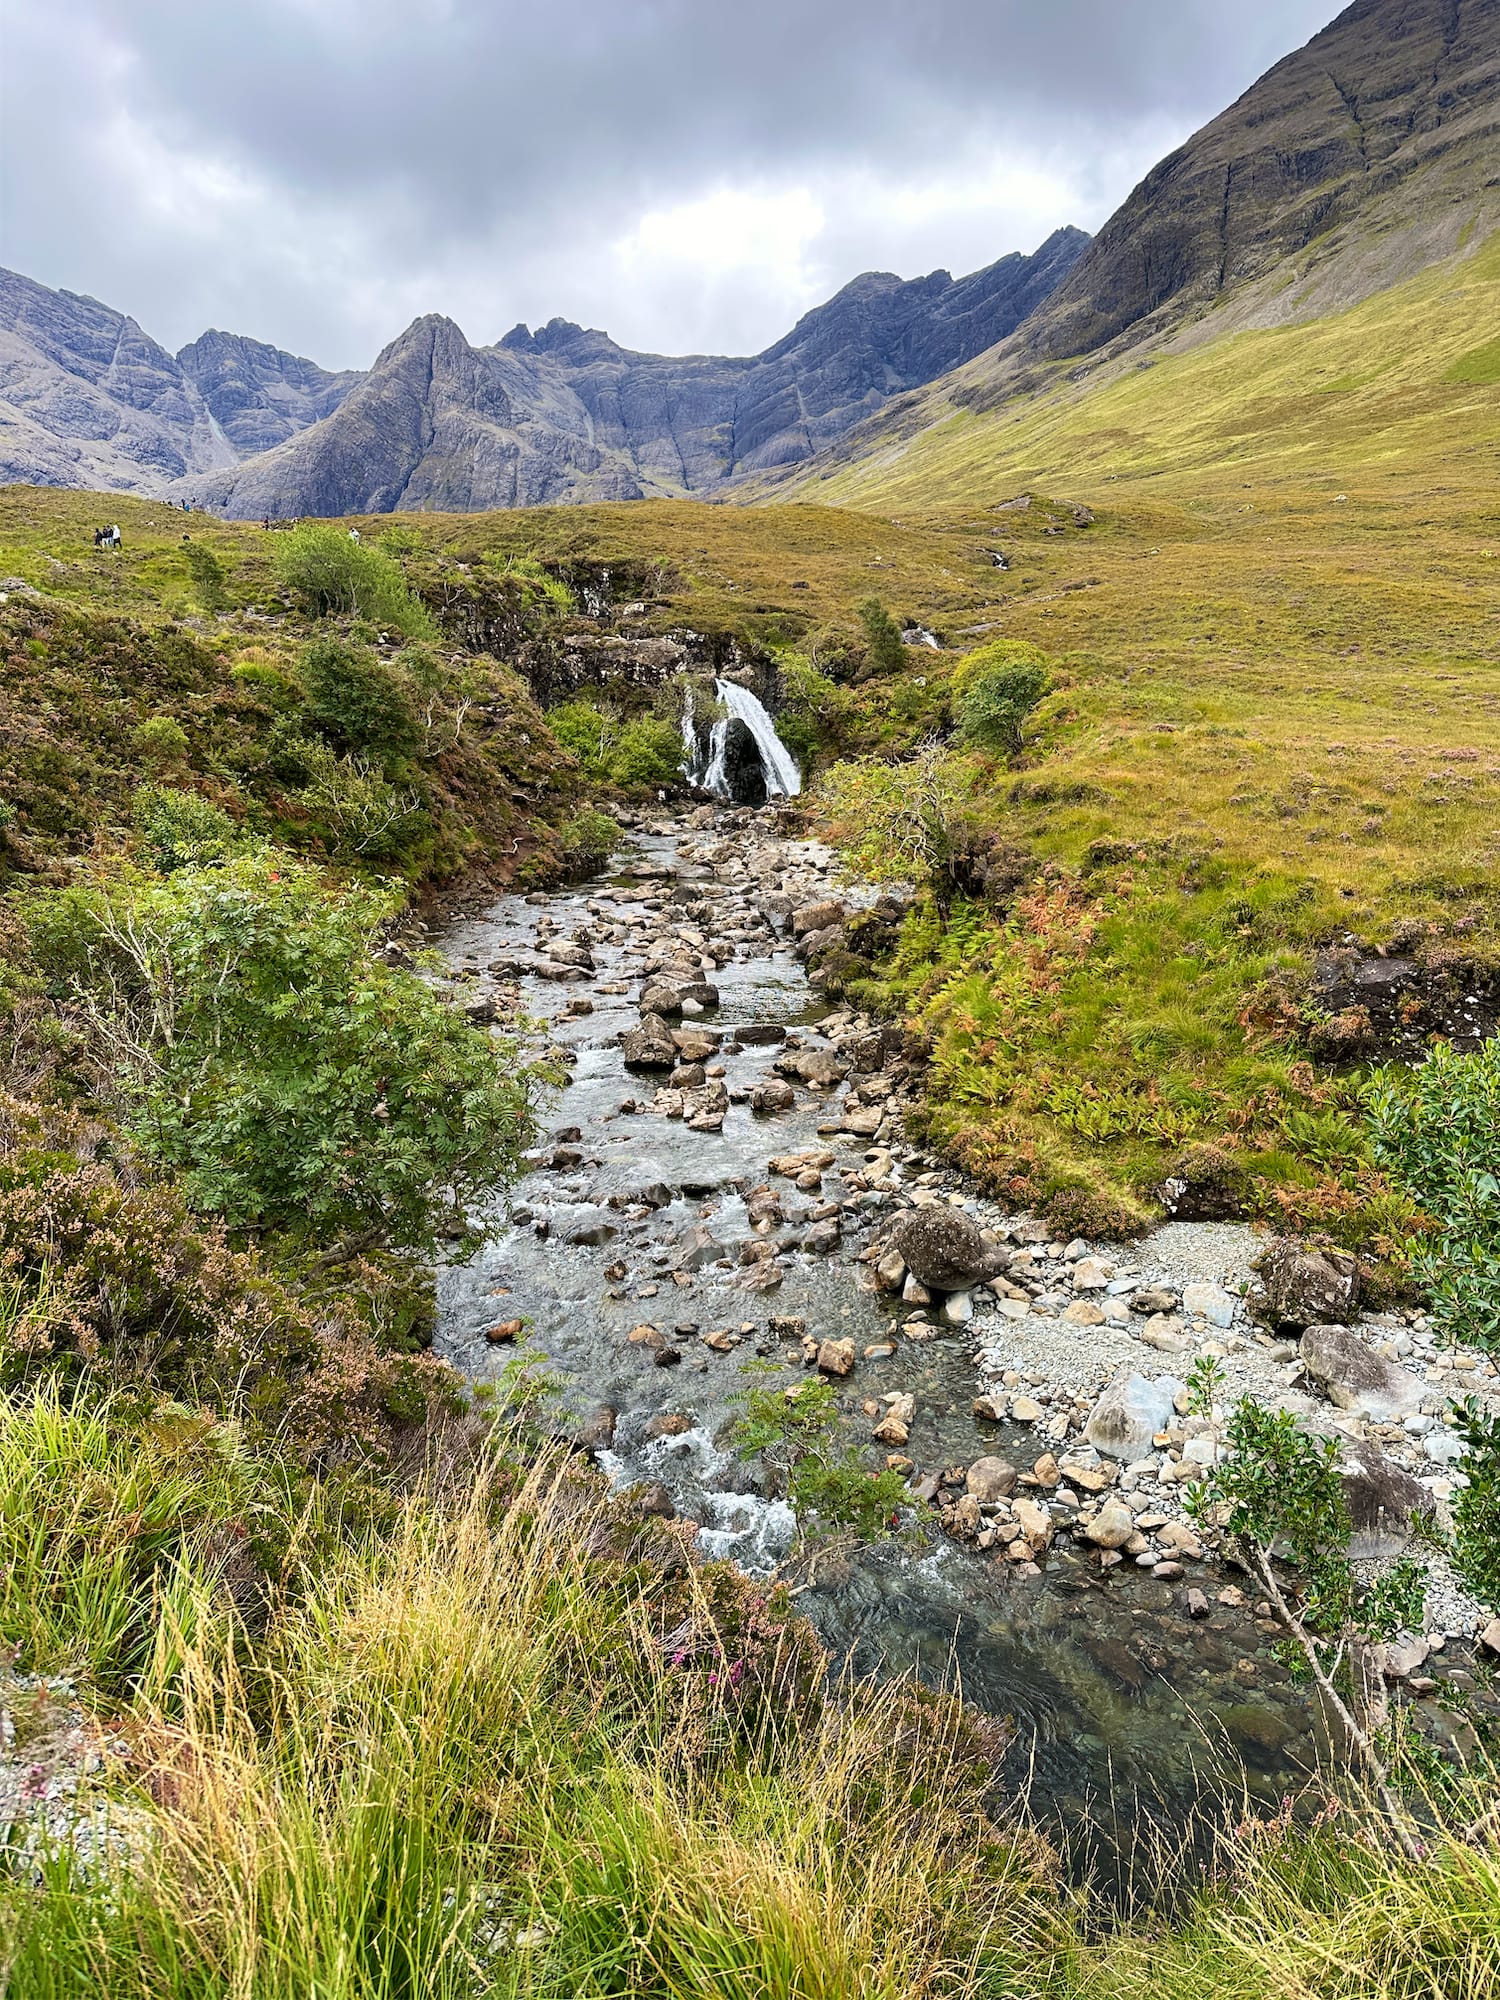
(495, 1749)
(1404, 380)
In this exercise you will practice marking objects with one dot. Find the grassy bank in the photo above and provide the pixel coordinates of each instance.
(512, 1742)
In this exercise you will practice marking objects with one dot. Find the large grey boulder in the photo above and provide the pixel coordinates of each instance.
(1356, 1378)
(1306, 1286)
(1131, 1411)
(943, 1249)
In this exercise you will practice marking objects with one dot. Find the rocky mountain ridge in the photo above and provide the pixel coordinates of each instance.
(1353, 164)
(565, 413)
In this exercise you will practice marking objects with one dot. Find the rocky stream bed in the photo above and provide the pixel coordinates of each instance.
(726, 1180)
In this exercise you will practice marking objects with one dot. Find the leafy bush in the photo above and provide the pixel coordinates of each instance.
(207, 573)
(330, 572)
(1437, 1132)
(588, 840)
(994, 690)
(642, 754)
(366, 817)
(885, 653)
(294, 1083)
(160, 743)
(901, 822)
(799, 1435)
(540, 589)
(179, 829)
(357, 701)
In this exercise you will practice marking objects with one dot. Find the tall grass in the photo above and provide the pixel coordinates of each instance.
(463, 1758)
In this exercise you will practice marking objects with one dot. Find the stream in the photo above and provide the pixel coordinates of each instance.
(1129, 1714)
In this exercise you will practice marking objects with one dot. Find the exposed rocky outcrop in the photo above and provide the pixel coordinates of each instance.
(260, 395)
(88, 399)
(566, 414)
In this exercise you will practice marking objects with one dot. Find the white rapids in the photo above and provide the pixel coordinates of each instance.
(783, 779)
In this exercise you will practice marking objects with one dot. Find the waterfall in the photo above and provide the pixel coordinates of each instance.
(783, 779)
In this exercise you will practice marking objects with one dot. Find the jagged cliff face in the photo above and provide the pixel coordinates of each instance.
(88, 399)
(259, 395)
(564, 414)
(557, 415)
(1346, 165)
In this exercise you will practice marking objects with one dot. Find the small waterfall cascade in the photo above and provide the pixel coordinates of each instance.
(783, 779)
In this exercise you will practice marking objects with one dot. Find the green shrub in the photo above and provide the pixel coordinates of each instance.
(1436, 1130)
(901, 822)
(294, 1083)
(160, 743)
(639, 755)
(588, 840)
(179, 829)
(994, 689)
(323, 566)
(268, 681)
(541, 591)
(799, 1435)
(358, 701)
(207, 574)
(885, 654)
(365, 816)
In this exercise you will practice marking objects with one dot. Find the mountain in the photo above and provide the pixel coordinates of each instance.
(564, 413)
(1355, 165)
(88, 399)
(260, 395)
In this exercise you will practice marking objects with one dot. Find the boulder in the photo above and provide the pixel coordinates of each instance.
(1210, 1302)
(815, 917)
(1306, 1286)
(1356, 1378)
(836, 1357)
(1382, 1498)
(991, 1479)
(772, 1096)
(943, 1249)
(650, 1046)
(1112, 1527)
(658, 997)
(698, 1248)
(1131, 1411)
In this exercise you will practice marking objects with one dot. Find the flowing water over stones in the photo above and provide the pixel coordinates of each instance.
(687, 1218)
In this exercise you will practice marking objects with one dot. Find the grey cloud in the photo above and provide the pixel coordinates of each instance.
(316, 171)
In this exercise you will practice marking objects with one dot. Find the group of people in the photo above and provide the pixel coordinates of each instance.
(107, 538)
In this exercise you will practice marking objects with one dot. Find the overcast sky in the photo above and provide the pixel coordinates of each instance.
(691, 175)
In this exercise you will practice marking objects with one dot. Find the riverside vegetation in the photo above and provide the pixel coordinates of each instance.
(329, 1677)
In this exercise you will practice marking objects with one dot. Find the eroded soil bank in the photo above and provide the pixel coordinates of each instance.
(723, 1177)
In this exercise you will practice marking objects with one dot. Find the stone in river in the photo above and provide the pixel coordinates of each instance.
(1131, 1411)
(650, 1046)
(1111, 1528)
(836, 1357)
(991, 1479)
(943, 1248)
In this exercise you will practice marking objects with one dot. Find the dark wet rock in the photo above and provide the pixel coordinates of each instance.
(654, 1194)
(823, 1238)
(1356, 1378)
(699, 1248)
(1152, 1299)
(667, 1426)
(590, 1231)
(1307, 1285)
(1382, 1498)
(653, 1500)
(597, 1433)
(772, 1096)
(943, 1248)
(814, 917)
